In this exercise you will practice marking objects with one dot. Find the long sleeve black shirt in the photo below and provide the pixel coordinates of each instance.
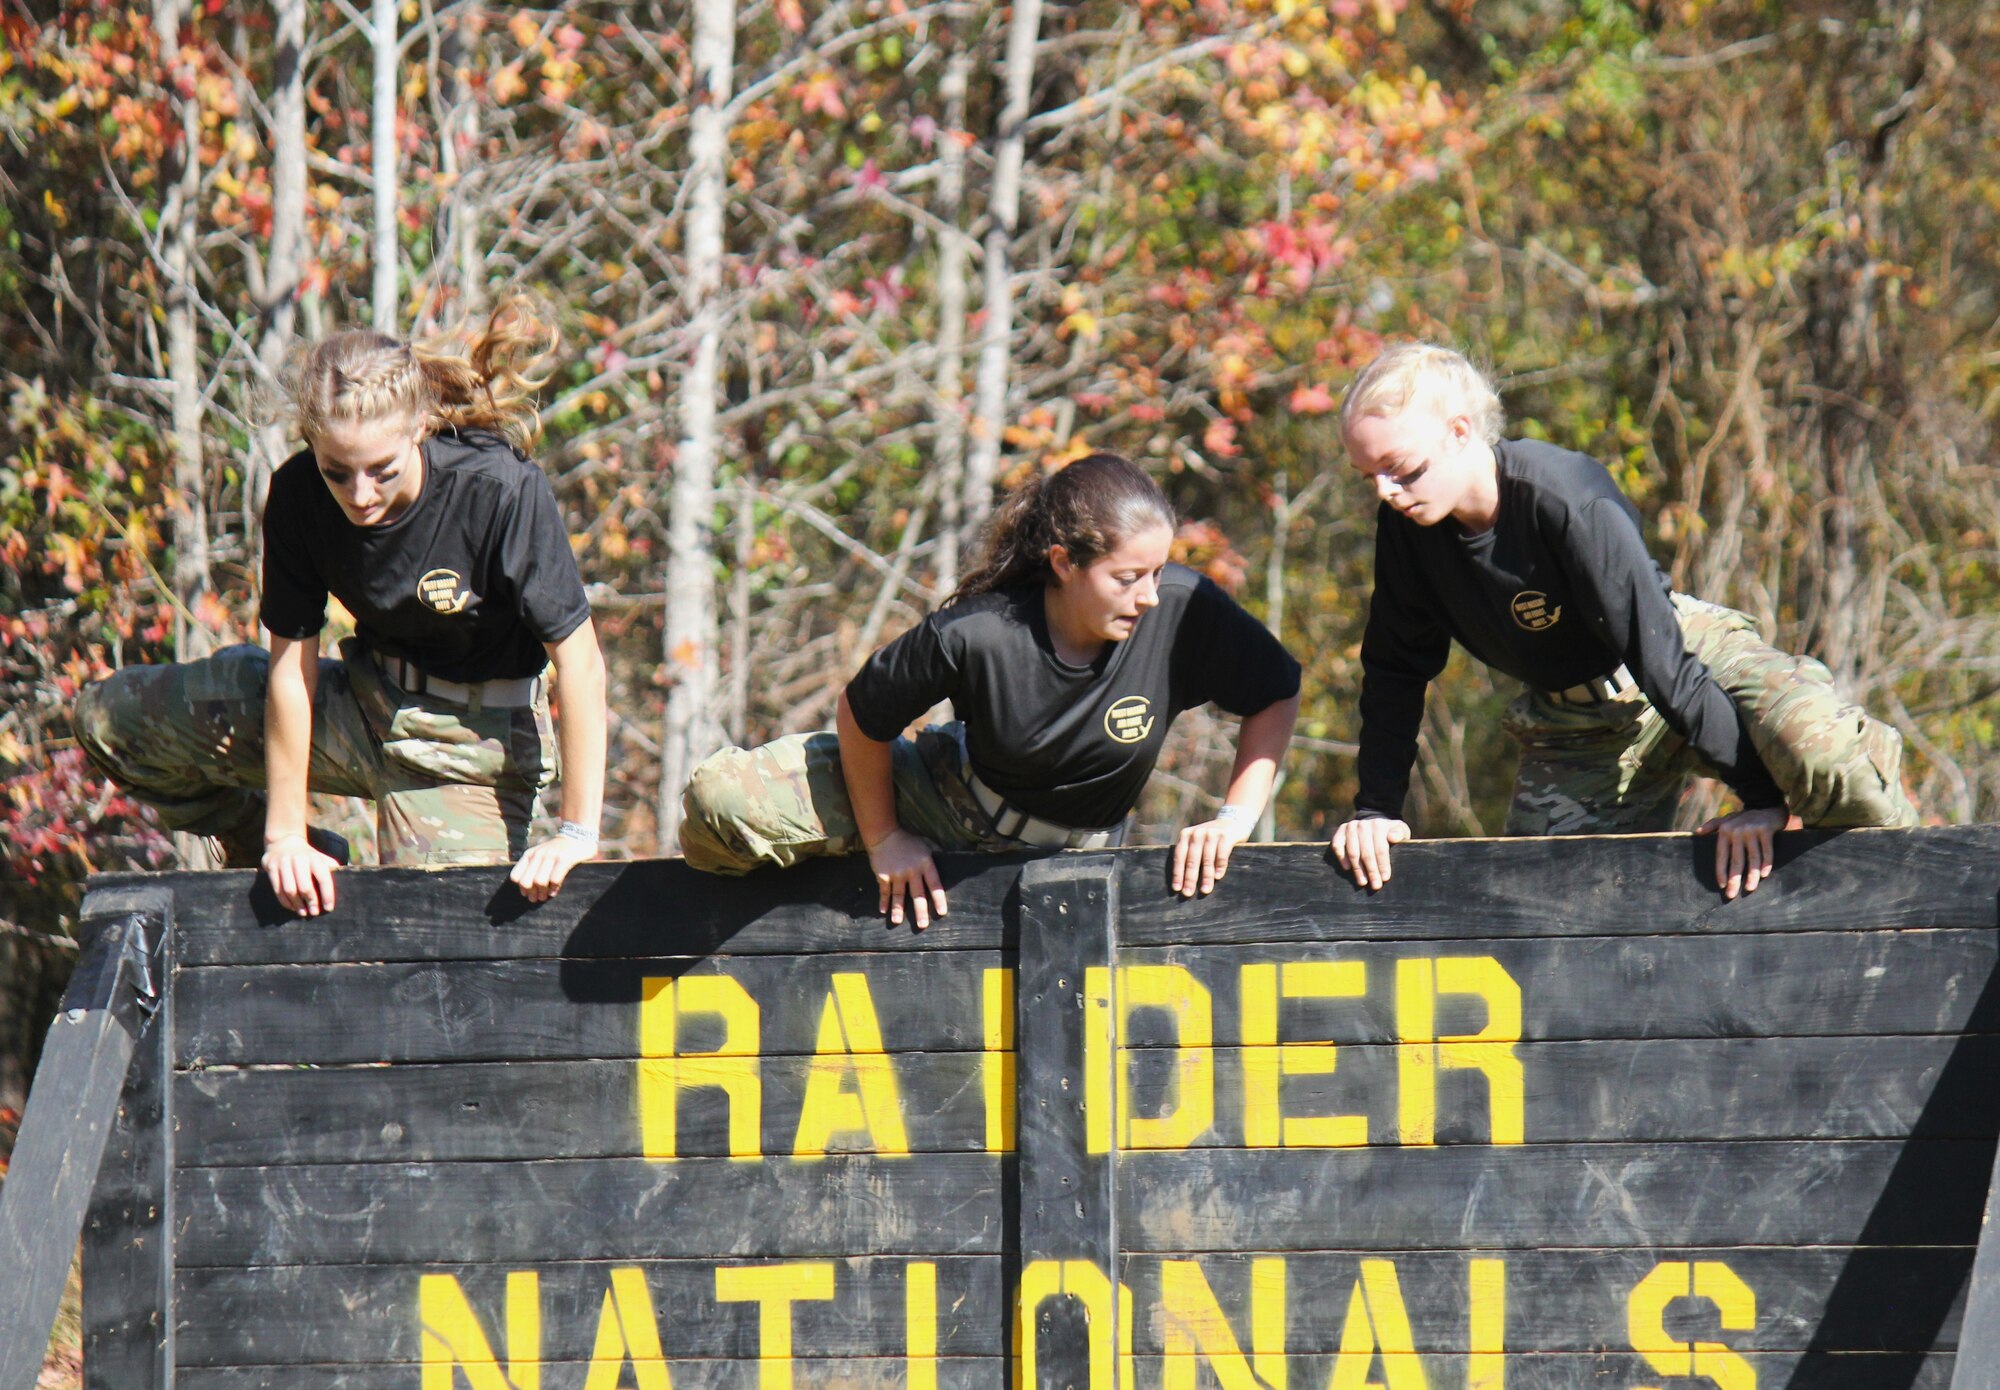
(1560, 590)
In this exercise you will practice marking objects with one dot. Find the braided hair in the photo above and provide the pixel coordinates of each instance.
(461, 379)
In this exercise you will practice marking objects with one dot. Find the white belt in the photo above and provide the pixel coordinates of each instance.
(516, 693)
(1597, 691)
(1016, 824)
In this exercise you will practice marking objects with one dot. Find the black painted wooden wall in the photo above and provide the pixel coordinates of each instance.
(1539, 1114)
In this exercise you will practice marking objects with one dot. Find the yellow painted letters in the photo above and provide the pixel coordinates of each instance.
(452, 1336)
(920, 1325)
(1266, 1060)
(1378, 1324)
(1043, 1280)
(1486, 1367)
(776, 1288)
(1193, 1325)
(1173, 989)
(1646, 1321)
(665, 1071)
(997, 1063)
(628, 1330)
(850, 1045)
(1491, 1050)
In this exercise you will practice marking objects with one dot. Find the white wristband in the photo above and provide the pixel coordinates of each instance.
(578, 831)
(1232, 812)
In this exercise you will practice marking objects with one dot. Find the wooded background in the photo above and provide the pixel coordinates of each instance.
(830, 275)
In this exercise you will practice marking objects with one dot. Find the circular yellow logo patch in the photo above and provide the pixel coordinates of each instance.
(1129, 720)
(439, 588)
(1533, 612)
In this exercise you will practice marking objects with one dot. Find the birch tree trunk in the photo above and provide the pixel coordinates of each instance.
(990, 410)
(382, 137)
(179, 210)
(689, 733)
(284, 263)
(954, 252)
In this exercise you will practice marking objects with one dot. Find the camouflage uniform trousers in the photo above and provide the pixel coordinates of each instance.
(787, 801)
(451, 784)
(1617, 768)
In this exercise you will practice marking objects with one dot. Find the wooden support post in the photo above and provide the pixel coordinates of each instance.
(1977, 1364)
(71, 1109)
(1067, 1315)
(128, 1232)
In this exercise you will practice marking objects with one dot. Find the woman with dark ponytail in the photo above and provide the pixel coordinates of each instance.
(1066, 653)
(414, 506)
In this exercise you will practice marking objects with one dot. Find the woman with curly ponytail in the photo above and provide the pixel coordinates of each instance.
(1066, 653)
(414, 506)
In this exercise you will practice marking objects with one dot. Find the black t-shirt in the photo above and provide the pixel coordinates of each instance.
(1073, 744)
(468, 583)
(1560, 590)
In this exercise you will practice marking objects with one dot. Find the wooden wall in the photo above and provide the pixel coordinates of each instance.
(1539, 1114)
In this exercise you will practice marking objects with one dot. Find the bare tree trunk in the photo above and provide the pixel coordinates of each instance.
(382, 136)
(739, 611)
(688, 733)
(990, 410)
(179, 211)
(954, 251)
(284, 263)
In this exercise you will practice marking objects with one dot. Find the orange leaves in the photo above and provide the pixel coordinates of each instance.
(507, 85)
(821, 93)
(1311, 400)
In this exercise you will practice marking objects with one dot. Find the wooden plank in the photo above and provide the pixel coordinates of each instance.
(926, 1204)
(605, 911)
(1636, 885)
(1800, 984)
(1923, 1192)
(1877, 1191)
(1671, 1090)
(528, 1110)
(1624, 885)
(809, 1373)
(1679, 1089)
(521, 1010)
(70, 1114)
(1803, 984)
(1067, 1209)
(372, 1313)
(1538, 1372)
(1547, 1301)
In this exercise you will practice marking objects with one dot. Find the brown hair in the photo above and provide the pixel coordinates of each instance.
(1089, 508)
(461, 379)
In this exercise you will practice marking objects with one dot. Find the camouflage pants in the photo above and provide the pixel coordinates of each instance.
(1616, 767)
(787, 801)
(450, 785)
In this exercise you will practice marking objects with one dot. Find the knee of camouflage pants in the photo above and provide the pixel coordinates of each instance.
(776, 804)
(1838, 766)
(169, 735)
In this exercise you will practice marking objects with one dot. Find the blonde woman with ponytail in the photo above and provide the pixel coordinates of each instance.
(415, 506)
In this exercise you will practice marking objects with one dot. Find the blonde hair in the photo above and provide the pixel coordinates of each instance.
(1428, 377)
(460, 379)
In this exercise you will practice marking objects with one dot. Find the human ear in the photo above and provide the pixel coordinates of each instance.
(1060, 564)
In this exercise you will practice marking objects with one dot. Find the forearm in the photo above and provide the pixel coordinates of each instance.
(867, 766)
(288, 704)
(1260, 749)
(581, 734)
